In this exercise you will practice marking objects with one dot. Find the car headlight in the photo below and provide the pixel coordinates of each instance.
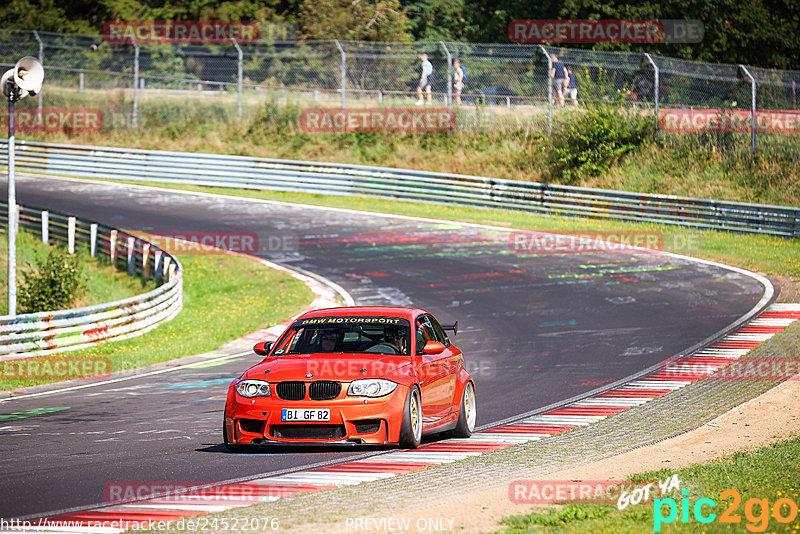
(253, 388)
(371, 387)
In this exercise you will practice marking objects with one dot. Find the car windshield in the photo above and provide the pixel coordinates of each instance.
(334, 335)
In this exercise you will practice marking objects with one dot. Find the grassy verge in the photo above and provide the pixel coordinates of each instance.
(103, 282)
(769, 255)
(224, 298)
(760, 478)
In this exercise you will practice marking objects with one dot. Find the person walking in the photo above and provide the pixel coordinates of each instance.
(425, 80)
(458, 79)
(571, 86)
(558, 74)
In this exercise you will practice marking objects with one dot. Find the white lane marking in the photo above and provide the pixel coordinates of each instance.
(603, 401)
(654, 384)
(324, 478)
(769, 321)
(563, 420)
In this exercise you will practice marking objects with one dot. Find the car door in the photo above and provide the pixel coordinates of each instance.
(434, 380)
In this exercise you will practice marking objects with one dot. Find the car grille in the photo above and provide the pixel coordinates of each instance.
(307, 431)
(291, 390)
(324, 390)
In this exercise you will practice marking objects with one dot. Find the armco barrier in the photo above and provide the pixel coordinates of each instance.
(401, 184)
(38, 334)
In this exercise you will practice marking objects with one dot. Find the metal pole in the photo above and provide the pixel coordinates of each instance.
(12, 214)
(41, 60)
(549, 90)
(449, 76)
(655, 90)
(344, 71)
(752, 108)
(135, 83)
(239, 78)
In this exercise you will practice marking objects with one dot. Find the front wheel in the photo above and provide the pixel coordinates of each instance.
(411, 431)
(467, 415)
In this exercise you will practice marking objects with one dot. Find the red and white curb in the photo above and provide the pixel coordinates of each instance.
(555, 421)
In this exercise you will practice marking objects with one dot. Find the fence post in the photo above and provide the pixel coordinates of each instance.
(41, 60)
(549, 90)
(157, 266)
(45, 227)
(343, 67)
(655, 88)
(238, 78)
(747, 74)
(112, 247)
(449, 76)
(71, 235)
(80, 83)
(93, 240)
(145, 260)
(135, 119)
(131, 256)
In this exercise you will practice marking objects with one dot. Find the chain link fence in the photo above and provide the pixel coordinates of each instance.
(509, 85)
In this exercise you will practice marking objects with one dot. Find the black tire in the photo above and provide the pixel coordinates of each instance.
(411, 431)
(232, 447)
(466, 414)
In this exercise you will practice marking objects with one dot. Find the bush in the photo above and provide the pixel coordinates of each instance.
(588, 144)
(56, 282)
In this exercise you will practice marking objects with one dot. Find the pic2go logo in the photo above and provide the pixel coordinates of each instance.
(756, 511)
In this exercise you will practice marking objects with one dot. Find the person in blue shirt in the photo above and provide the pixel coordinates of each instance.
(558, 74)
(571, 86)
(425, 80)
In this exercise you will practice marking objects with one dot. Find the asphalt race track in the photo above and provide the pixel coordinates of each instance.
(535, 329)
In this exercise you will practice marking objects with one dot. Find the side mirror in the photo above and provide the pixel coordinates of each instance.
(433, 347)
(263, 348)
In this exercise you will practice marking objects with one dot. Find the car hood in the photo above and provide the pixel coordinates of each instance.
(338, 367)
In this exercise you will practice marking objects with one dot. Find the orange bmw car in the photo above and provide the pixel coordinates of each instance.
(353, 375)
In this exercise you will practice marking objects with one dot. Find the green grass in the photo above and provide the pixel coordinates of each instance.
(762, 474)
(103, 283)
(224, 298)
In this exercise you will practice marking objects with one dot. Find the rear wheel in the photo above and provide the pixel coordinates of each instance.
(411, 431)
(466, 415)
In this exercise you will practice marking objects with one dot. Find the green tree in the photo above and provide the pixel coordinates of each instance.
(362, 20)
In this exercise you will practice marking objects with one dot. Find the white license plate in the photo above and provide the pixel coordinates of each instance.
(305, 415)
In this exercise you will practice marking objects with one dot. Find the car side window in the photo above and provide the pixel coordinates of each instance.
(425, 332)
(439, 331)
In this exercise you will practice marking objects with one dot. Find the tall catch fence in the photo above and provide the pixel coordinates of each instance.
(137, 84)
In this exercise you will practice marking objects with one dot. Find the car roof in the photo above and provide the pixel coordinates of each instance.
(365, 311)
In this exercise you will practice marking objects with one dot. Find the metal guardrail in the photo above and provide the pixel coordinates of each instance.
(43, 333)
(402, 184)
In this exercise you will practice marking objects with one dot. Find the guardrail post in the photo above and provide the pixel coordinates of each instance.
(93, 240)
(238, 78)
(655, 89)
(145, 260)
(112, 247)
(158, 258)
(747, 74)
(549, 90)
(449, 76)
(80, 83)
(41, 60)
(45, 227)
(167, 271)
(71, 235)
(135, 119)
(131, 256)
(343, 68)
